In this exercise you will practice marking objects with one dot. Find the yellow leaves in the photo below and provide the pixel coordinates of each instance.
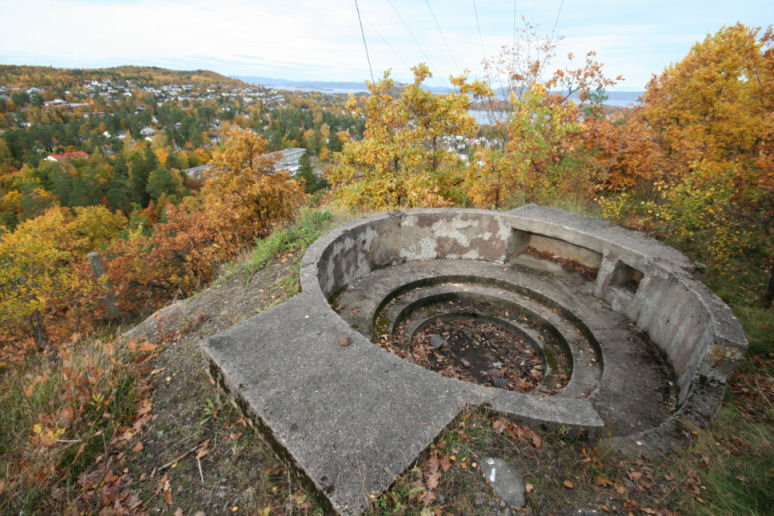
(45, 437)
(402, 160)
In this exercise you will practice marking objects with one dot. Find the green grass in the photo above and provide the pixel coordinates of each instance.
(740, 473)
(299, 235)
(741, 286)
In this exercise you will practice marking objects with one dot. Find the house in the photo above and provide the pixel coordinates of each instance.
(289, 159)
(197, 172)
(66, 155)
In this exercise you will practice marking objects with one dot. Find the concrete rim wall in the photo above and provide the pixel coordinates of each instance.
(648, 282)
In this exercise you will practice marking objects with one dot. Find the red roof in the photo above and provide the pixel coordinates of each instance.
(67, 155)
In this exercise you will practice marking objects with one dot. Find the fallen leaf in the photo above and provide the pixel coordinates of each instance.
(147, 347)
(445, 463)
(602, 480)
(203, 449)
(568, 484)
(27, 389)
(66, 415)
(146, 405)
(536, 442)
(499, 425)
(528, 487)
(79, 452)
(345, 340)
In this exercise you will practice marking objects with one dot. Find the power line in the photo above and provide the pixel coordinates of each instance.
(478, 25)
(376, 31)
(362, 33)
(514, 22)
(456, 66)
(556, 22)
(405, 26)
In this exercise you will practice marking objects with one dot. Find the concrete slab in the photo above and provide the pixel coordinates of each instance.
(351, 416)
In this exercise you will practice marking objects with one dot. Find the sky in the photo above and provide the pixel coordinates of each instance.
(322, 41)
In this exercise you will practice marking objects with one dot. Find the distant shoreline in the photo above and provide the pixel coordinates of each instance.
(614, 98)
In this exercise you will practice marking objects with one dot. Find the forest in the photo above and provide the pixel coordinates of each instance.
(95, 161)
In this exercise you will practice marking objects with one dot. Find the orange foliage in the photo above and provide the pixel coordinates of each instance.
(243, 199)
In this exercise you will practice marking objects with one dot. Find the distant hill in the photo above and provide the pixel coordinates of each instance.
(324, 86)
(615, 98)
(27, 76)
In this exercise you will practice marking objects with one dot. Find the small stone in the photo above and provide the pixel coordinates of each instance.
(500, 382)
(465, 362)
(345, 340)
(505, 481)
(497, 365)
(436, 341)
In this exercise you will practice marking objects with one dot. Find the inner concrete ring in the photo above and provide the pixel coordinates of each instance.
(352, 416)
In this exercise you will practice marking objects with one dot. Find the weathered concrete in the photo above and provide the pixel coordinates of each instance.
(353, 417)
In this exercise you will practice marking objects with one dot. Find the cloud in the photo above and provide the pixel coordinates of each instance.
(309, 39)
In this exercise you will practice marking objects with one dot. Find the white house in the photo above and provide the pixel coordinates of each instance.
(289, 159)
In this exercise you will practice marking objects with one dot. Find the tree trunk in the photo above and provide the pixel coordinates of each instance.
(38, 331)
(768, 296)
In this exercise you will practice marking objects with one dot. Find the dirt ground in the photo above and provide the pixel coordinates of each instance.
(214, 462)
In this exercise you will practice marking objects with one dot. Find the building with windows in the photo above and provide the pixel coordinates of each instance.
(289, 159)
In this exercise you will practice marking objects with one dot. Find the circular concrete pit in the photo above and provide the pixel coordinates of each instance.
(548, 317)
(618, 317)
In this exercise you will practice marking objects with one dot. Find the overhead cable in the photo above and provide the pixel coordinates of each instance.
(456, 66)
(376, 31)
(416, 42)
(362, 33)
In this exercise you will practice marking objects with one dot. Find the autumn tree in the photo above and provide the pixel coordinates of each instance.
(537, 152)
(709, 128)
(39, 276)
(243, 198)
(244, 194)
(402, 160)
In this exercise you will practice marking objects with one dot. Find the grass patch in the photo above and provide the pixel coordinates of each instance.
(299, 235)
(739, 465)
(741, 286)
